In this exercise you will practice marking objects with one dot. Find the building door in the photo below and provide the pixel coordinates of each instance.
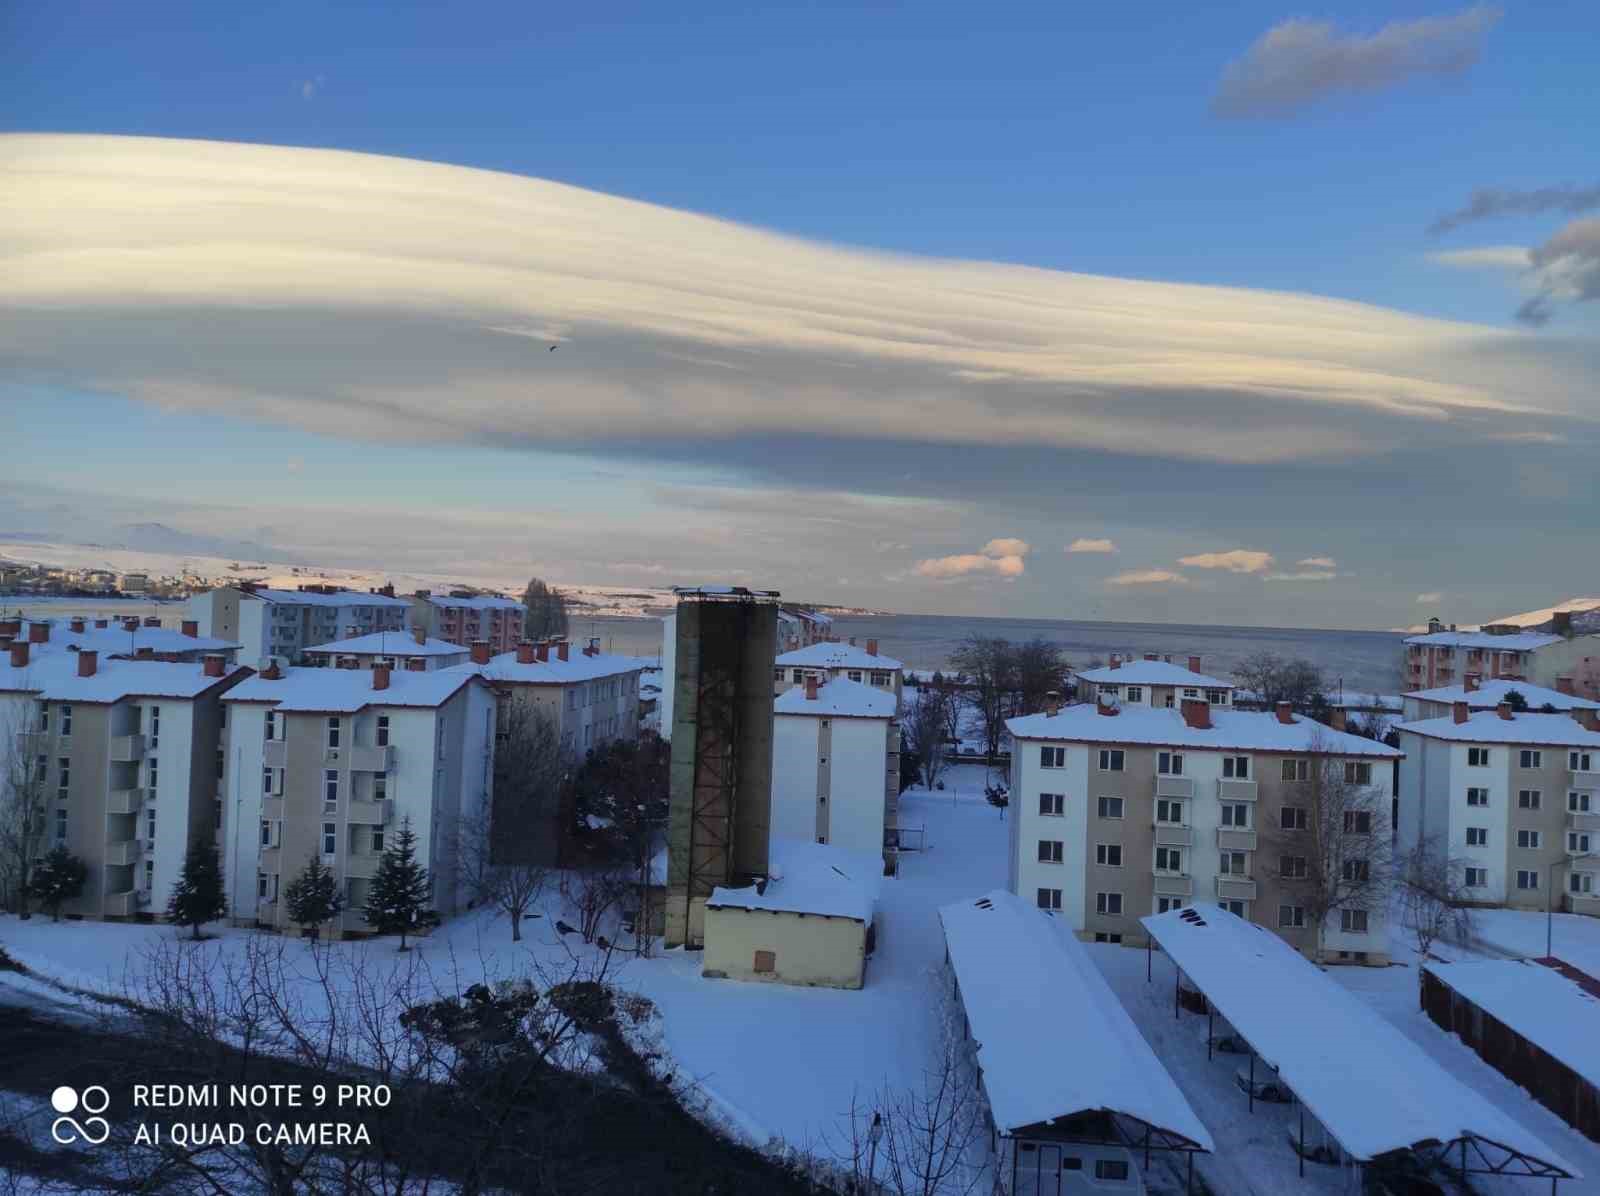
(1038, 1169)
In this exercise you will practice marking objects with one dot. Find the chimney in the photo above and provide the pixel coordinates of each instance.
(1561, 624)
(1504, 710)
(213, 663)
(1589, 720)
(1471, 681)
(525, 652)
(11, 627)
(872, 647)
(387, 589)
(191, 628)
(416, 664)
(1105, 706)
(38, 633)
(1194, 664)
(1052, 703)
(102, 623)
(420, 634)
(811, 687)
(561, 649)
(1336, 718)
(152, 621)
(77, 625)
(1150, 656)
(541, 651)
(1116, 661)
(1285, 711)
(1458, 711)
(19, 655)
(1564, 686)
(271, 672)
(131, 623)
(480, 651)
(87, 662)
(380, 676)
(1197, 714)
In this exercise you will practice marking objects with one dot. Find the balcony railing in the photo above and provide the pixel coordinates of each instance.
(1174, 787)
(1234, 838)
(120, 855)
(124, 801)
(365, 758)
(362, 867)
(1229, 789)
(1582, 847)
(1168, 835)
(127, 749)
(1236, 888)
(1582, 903)
(372, 813)
(1171, 884)
(1585, 779)
(1578, 821)
(274, 753)
(122, 905)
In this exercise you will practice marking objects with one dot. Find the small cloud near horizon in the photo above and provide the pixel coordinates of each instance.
(1429, 598)
(1002, 557)
(1085, 544)
(1236, 560)
(1303, 575)
(1147, 577)
(1318, 562)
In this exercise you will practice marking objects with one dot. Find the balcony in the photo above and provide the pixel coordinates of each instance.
(122, 905)
(1582, 903)
(1236, 888)
(1234, 838)
(124, 801)
(1584, 779)
(371, 759)
(274, 753)
(372, 813)
(1171, 884)
(32, 742)
(1583, 845)
(361, 867)
(120, 855)
(1577, 821)
(127, 749)
(1174, 787)
(1168, 835)
(1235, 790)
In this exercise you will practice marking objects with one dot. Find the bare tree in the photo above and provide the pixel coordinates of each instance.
(985, 663)
(26, 750)
(1037, 669)
(592, 894)
(1434, 896)
(547, 611)
(926, 731)
(1274, 679)
(1331, 847)
(621, 795)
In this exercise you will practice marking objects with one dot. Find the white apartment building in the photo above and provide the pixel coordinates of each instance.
(330, 763)
(412, 650)
(464, 617)
(836, 765)
(831, 659)
(1480, 694)
(1154, 681)
(144, 639)
(1514, 796)
(1444, 658)
(280, 624)
(129, 752)
(1118, 812)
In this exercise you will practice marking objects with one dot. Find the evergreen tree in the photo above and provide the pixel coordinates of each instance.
(400, 891)
(198, 898)
(313, 897)
(56, 879)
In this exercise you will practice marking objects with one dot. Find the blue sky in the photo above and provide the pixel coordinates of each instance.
(1049, 136)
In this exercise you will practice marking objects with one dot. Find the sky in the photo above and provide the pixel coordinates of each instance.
(1157, 313)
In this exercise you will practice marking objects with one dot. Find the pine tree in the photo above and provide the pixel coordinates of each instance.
(57, 879)
(198, 898)
(313, 897)
(400, 891)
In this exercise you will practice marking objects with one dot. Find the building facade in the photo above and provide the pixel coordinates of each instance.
(463, 618)
(1480, 694)
(593, 696)
(832, 659)
(1444, 658)
(1154, 681)
(410, 649)
(280, 624)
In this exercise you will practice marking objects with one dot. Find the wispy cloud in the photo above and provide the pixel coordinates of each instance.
(1001, 557)
(1299, 62)
(1429, 598)
(1302, 575)
(1147, 577)
(1485, 257)
(1085, 544)
(1486, 203)
(310, 87)
(1237, 560)
(1318, 562)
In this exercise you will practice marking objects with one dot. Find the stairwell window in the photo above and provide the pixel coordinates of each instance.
(266, 780)
(382, 735)
(1052, 805)
(330, 786)
(1353, 921)
(1170, 764)
(330, 838)
(1529, 840)
(1478, 757)
(333, 732)
(272, 724)
(266, 833)
(1111, 759)
(1050, 851)
(1052, 757)
(66, 721)
(1236, 767)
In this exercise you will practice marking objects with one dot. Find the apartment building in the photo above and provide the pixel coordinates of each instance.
(836, 765)
(330, 762)
(410, 649)
(1514, 796)
(1121, 811)
(832, 659)
(1154, 681)
(129, 754)
(1480, 694)
(280, 624)
(1444, 658)
(144, 639)
(800, 627)
(462, 617)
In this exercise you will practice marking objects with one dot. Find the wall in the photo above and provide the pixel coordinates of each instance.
(669, 652)
(242, 808)
(810, 950)
(794, 777)
(1073, 828)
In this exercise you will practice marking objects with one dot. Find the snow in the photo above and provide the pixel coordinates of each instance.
(1023, 979)
(389, 643)
(349, 690)
(1535, 1001)
(506, 668)
(1371, 1088)
(1151, 672)
(1557, 730)
(1574, 938)
(337, 598)
(1244, 730)
(810, 878)
(1534, 618)
(1519, 641)
(1351, 700)
(839, 698)
(476, 602)
(117, 639)
(54, 677)
(831, 654)
(1491, 693)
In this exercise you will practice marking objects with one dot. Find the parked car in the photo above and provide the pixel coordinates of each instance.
(1267, 1084)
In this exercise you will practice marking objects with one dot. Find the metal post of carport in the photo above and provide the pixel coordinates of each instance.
(1149, 955)
(1302, 1134)
(1252, 1081)
(1177, 978)
(1210, 1027)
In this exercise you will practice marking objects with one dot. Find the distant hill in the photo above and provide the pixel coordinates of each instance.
(1585, 616)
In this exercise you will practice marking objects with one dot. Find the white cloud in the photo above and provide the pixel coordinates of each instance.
(1430, 598)
(1084, 544)
(1302, 575)
(1007, 547)
(1147, 577)
(946, 568)
(1318, 562)
(1237, 560)
(1485, 257)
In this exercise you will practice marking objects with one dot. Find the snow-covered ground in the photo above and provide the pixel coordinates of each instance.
(776, 1063)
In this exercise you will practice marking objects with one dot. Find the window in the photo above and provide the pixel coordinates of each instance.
(853, 674)
(1529, 840)
(1217, 697)
(1291, 917)
(1527, 878)
(330, 838)
(777, 674)
(44, 716)
(1110, 807)
(1108, 903)
(1356, 871)
(1170, 764)
(149, 822)
(797, 677)
(1477, 836)
(149, 874)
(330, 785)
(1578, 842)
(1052, 757)
(63, 777)
(1577, 802)
(1297, 770)
(1477, 797)
(1357, 822)
(1237, 767)
(881, 679)
(1169, 811)
(1111, 1169)
(152, 768)
(1292, 867)
(1529, 799)
(1579, 761)
(1236, 814)
(155, 725)
(272, 724)
(1292, 818)
(1050, 899)
(66, 721)
(1234, 907)
(1135, 693)
(1110, 759)
(1169, 859)
(1478, 757)
(1101, 936)
(1191, 693)
(382, 736)
(1167, 904)
(61, 824)
(333, 732)
(380, 786)
(1476, 878)
(1357, 773)
(1353, 921)
(1529, 758)
(1232, 864)
(266, 833)
(1050, 851)
(266, 780)
(261, 886)
(1052, 805)
(221, 761)
(1108, 854)
(1110, 691)
(1581, 882)
(377, 840)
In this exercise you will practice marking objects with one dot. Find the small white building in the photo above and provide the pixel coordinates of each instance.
(1480, 694)
(1153, 681)
(412, 650)
(831, 658)
(835, 765)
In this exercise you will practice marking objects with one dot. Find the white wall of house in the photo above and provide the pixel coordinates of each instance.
(794, 777)
(1028, 875)
(173, 754)
(245, 739)
(857, 767)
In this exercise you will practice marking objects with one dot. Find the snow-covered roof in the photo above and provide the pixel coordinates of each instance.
(838, 698)
(1520, 641)
(1486, 726)
(1151, 672)
(507, 669)
(830, 655)
(1371, 1087)
(115, 638)
(1533, 1000)
(345, 691)
(54, 678)
(1351, 700)
(1492, 692)
(1245, 730)
(477, 602)
(810, 878)
(337, 598)
(389, 643)
(1052, 1039)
